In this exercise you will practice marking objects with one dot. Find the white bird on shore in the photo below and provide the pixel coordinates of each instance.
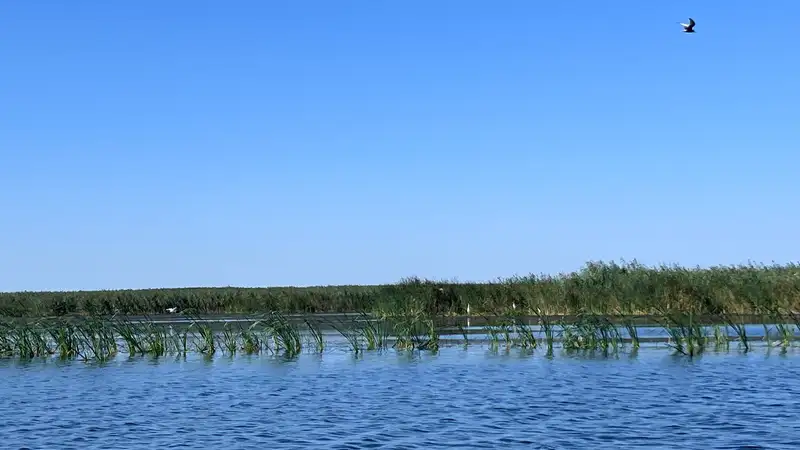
(688, 27)
(172, 310)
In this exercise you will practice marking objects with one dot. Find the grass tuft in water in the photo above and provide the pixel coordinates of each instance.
(285, 335)
(591, 332)
(316, 335)
(735, 322)
(547, 328)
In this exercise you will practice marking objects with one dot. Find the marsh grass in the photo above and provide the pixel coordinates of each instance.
(351, 334)
(406, 328)
(623, 317)
(414, 329)
(598, 286)
(783, 325)
(591, 332)
(524, 336)
(374, 331)
(285, 335)
(315, 334)
(30, 340)
(252, 340)
(738, 325)
(464, 334)
(97, 340)
(721, 340)
(64, 336)
(204, 341)
(229, 339)
(687, 335)
(493, 331)
(546, 325)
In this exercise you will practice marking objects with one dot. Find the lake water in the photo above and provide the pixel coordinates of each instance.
(459, 398)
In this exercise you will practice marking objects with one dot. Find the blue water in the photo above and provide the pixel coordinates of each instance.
(470, 399)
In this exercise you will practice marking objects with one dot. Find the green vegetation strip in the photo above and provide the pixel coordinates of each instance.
(600, 288)
(408, 329)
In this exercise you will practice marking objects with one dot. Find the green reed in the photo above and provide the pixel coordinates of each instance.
(352, 334)
(629, 324)
(374, 332)
(64, 336)
(284, 334)
(30, 340)
(687, 334)
(547, 327)
(204, 341)
(316, 335)
(598, 286)
(590, 332)
(229, 339)
(721, 339)
(97, 340)
(464, 334)
(782, 321)
(524, 335)
(413, 328)
(252, 341)
(737, 324)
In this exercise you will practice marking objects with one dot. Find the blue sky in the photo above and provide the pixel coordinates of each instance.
(252, 143)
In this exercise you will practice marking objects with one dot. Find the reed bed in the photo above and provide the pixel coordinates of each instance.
(100, 338)
(598, 288)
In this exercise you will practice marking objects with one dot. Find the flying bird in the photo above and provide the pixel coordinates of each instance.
(688, 27)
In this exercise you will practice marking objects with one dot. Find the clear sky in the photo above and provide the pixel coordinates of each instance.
(252, 143)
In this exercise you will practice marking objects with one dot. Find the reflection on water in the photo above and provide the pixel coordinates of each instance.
(474, 398)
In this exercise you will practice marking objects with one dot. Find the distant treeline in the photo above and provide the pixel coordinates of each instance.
(599, 287)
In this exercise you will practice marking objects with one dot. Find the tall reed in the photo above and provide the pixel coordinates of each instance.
(597, 287)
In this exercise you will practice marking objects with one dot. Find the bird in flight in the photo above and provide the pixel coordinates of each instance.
(688, 27)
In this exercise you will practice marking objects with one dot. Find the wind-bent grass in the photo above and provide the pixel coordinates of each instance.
(98, 341)
(493, 331)
(316, 335)
(252, 341)
(686, 333)
(721, 339)
(30, 340)
(525, 338)
(628, 322)
(547, 328)
(229, 339)
(64, 335)
(204, 341)
(374, 332)
(736, 323)
(781, 319)
(591, 332)
(351, 333)
(464, 334)
(414, 329)
(407, 328)
(285, 335)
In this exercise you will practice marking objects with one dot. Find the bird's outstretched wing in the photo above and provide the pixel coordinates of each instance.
(691, 22)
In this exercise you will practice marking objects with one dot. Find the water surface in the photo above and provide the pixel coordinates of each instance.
(474, 398)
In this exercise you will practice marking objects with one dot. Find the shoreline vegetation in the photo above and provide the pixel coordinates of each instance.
(598, 288)
(597, 309)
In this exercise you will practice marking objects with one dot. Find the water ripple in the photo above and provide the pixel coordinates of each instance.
(457, 399)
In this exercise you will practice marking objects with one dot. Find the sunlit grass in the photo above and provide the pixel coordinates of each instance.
(598, 287)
